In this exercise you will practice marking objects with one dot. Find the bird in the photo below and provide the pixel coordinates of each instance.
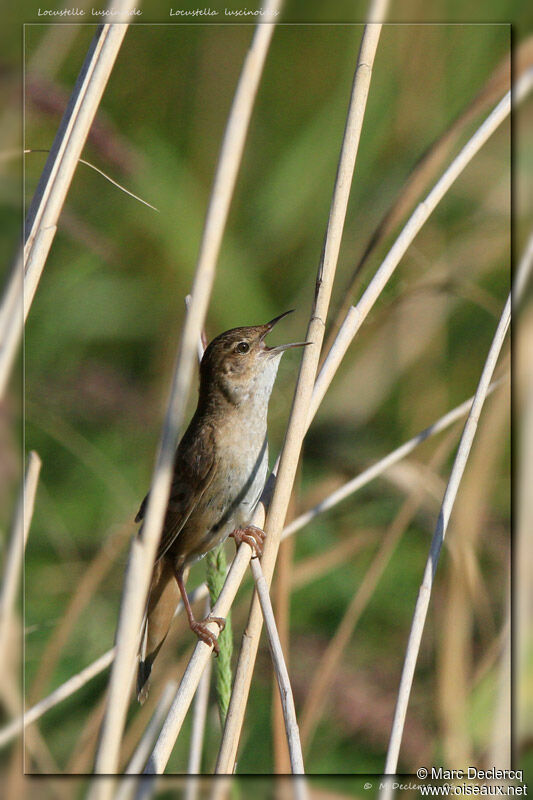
(220, 468)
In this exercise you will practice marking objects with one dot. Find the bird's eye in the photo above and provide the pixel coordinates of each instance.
(242, 347)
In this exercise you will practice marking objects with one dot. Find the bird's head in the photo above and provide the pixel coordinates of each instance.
(240, 364)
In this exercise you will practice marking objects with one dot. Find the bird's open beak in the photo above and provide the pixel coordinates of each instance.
(268, 327)
(281, 347)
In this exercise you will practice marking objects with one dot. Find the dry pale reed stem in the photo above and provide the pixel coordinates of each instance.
(86, 588)
(355, 316)
(11, 325)
(428, 166)
(282, 675)
(144, 748)
(327, 668)
(467, 595)
(15, 551)
(144, 548)
(74, 683)
(198, 727)
(202, 652)
(450, 494)
(299, 413)
(192, 786)
(43, 215)
(128, 785)
(422, 604)
(364, 478)
(381, 466)
(282, 600)
(57, 696)
(201, 698)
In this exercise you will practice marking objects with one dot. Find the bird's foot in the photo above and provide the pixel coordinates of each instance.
(253, 536)
(207, 636)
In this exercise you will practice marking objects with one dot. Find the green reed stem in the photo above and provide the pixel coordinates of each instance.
(216, 575)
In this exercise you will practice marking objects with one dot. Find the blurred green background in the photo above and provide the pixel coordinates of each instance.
(102, 335)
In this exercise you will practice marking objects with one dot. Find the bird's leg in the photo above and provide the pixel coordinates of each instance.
(253, 536)
(199, 628)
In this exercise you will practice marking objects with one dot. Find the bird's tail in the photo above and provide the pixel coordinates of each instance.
(162, 601)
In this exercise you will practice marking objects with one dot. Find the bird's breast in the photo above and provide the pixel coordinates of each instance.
(229, 500)
(243, 460)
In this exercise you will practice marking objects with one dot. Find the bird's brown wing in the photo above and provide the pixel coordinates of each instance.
(194, 469)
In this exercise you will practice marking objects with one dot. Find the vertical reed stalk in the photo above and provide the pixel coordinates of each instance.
(355, 316)
(49, 197)
(465, 445)
(79, 680)
(15, 552)
(144, 548)
(422, 603)
(304, 389)
(282, 675)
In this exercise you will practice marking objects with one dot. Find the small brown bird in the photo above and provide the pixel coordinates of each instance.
(220, 469)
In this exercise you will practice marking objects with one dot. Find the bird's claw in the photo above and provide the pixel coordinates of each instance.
(207, 636)
(253, 536)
